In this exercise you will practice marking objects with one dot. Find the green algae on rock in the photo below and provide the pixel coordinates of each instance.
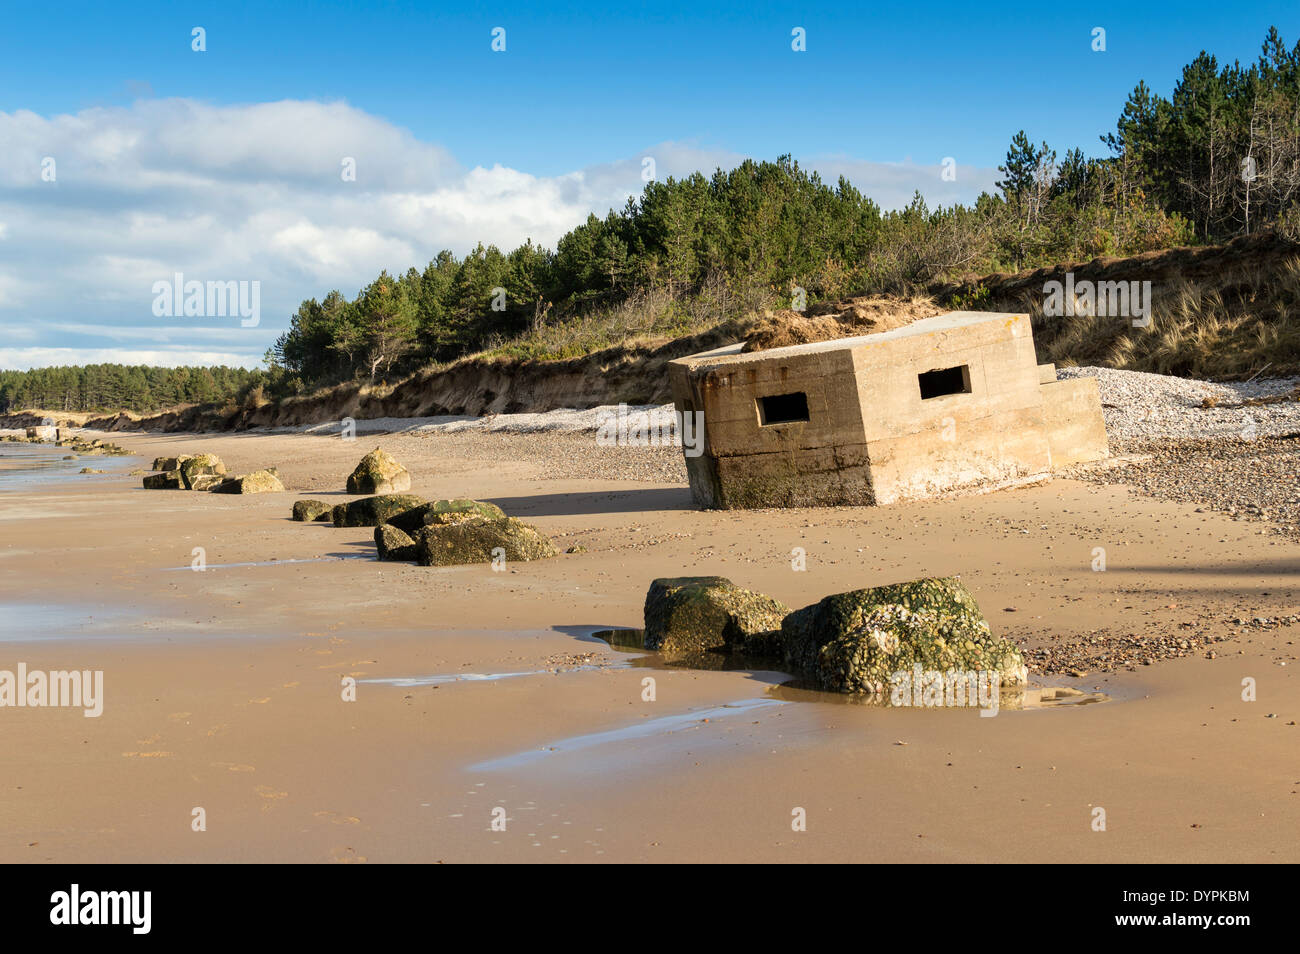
(305, 511)
(170, 480)
(373, 511)
(395, 544)
(207, 465)
(854, 642)
(699, 613)
(477, 540)
(438, 512)
(378, 473)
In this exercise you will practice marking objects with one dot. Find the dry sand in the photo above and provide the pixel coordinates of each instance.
(223, 687)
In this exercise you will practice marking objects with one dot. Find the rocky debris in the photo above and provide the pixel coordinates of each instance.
(693, 614)
(93, 448)
(1101, 651)
(481, 541)
(258, 482)
(854, 642)
(197, 472)
(169, 480)
(90, 470)
(438, 512)
(69, 456)
(564, 662)
(305, 511)
(1246, 480)
(378, 473)
(373, 511)
(200, 465)
(395, 544)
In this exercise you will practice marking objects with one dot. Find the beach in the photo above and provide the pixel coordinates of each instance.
(483, 701)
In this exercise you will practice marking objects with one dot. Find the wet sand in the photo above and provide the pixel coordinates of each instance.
(223, 687)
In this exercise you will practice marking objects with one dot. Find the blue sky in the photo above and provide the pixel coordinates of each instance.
(223, 164)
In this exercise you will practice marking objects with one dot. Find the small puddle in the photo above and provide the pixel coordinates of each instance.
(30, 622)
(236, 566)
(664, 726)
(26, 467)
(442, 679)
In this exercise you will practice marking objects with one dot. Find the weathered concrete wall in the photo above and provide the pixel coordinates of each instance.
(873, 434)
(993, 433)
(748, 463)
(1072, 414)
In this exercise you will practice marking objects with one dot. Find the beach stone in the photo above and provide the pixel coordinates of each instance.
(89, 470)
(307, 510)
(853, 642)
(170, 480)
(200, 465)
(473, 540)
(689, 614)
(373, 511)
(208, 482)
(167, 463)
(258, 482)
(437, 512)
(395, 544)
(379, 473)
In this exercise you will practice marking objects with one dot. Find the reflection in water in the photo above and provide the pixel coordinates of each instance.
(649, 728)
(24, 622)
(22, 465)
(797, 690)
(407, 682)
(235, 566)
(1017, 697)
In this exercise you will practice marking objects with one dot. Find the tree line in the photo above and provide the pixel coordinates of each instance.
(112, 387)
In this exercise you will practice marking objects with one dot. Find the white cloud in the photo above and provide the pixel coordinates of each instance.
(23, 359)
(254, 192)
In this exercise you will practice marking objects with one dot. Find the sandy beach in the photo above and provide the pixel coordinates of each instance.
(479, 690)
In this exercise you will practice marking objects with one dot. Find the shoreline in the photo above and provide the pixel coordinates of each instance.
(254, 730)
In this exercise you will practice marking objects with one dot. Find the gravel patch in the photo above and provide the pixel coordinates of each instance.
(1140, 407)
(1102, 651)
(1233, 457)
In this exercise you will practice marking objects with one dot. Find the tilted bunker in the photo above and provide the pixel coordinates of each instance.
(945, 402)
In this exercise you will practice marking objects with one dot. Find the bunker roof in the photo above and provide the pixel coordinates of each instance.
(952, 321)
